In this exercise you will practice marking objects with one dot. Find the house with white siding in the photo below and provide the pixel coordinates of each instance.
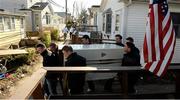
(128, 18)
(93, 14)
(12, 28)
(39, 12)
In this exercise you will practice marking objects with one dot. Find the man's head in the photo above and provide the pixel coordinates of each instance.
(118, 38)
(67, 51)
(85, 39)
(53, 47)
(40, 48)
(128, 47)
(130, 39)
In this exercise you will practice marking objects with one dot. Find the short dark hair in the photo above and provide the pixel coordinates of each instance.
(86, 37)
(130, 39)
(130, 45)
(41, 45)
(53, 45)
(118, 35)
(67, 48)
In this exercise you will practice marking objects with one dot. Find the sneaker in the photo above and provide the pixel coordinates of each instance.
(90, 90)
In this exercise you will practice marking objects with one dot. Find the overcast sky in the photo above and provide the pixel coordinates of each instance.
(84, 3)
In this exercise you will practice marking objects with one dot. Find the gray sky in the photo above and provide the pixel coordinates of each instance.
(84, 3)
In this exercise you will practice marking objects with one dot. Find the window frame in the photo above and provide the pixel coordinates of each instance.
(2, 23)
(22, 23)
(176, 24)
(13, 24)
(7, 30)
(117, 23)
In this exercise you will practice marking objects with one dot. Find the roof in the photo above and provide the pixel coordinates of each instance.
(10, 13)
(63, 14)
(40, 5)
(96, 6)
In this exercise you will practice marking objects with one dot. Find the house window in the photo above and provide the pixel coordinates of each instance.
(7, 23)
(1, 24)
(47, 19)
(13, 23)
(117, 22)
(176, 22)
(22, 23)
(103, 23)
(108, 23)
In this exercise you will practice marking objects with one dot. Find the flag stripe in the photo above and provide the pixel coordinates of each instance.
(166, 19)
(168, 55)
(151, 34)
(159, 42)
(168, 34)
(163, 73)
(156, 33)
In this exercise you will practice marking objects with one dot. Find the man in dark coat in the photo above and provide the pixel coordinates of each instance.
(87, 41)
(57, 57)
(131, 58)
(109, 82)
(118, 38)
(131, 40)
(75, 80)
(48, 61)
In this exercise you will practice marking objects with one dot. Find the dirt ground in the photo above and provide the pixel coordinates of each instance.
(9, 84)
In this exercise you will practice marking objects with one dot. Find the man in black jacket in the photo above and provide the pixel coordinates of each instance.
(131, 40)
(91, 85)
(75, 80)
(131, 58)
(57, 57)
(48, 61)
(118, 38)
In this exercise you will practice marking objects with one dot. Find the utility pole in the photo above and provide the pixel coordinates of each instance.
(66, 10)
(73, 9)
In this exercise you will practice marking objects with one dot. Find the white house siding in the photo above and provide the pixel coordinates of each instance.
(176, 59)
(43, 16)
(99, 21)
(136, 21)
(11, 36)
(137, 13)
(116, 8)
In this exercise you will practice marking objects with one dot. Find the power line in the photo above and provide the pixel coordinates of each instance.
(55, 4)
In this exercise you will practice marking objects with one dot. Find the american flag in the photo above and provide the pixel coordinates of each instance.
(159, 41)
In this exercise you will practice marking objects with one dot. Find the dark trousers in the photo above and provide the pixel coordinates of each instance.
(50, 84)
(108, 84)
(70, 35)
(91, 85)
(132, 80)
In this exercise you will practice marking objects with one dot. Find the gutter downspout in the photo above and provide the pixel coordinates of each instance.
(129, 3)
(125, 19)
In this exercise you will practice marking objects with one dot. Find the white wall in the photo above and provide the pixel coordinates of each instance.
(116, 8)
(99, 21)
(176, 8)
(136, 22)
(43, 13)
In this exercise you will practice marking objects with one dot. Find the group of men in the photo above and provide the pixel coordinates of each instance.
(54, 57)
(76, 81)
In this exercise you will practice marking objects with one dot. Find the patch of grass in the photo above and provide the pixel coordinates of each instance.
(55, 34)
(46, 38)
